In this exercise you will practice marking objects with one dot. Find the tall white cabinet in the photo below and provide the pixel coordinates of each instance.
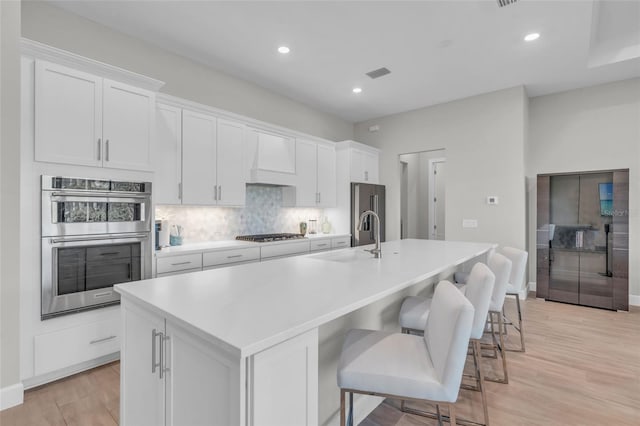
(87, 120)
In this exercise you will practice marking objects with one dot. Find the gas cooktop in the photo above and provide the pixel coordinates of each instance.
(264, 238)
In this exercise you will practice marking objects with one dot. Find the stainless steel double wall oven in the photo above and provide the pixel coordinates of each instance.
(95, 233)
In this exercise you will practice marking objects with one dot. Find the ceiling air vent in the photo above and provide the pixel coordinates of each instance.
(503, 3)
(378, 73)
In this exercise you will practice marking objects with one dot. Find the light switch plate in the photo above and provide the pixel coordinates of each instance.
(469, 223)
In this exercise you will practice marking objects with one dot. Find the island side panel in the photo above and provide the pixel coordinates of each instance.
(283, 383)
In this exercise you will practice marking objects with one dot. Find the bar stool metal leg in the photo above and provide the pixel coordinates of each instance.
(500, 348)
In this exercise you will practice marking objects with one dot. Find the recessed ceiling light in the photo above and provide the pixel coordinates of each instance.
(283, 49)
(531, 37)
(357, 90)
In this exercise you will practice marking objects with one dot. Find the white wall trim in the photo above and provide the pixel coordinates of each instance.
(48, 53)
(532, 286)
(11, 396)
(163, 98)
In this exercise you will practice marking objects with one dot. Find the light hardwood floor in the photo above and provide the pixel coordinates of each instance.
(582, 368)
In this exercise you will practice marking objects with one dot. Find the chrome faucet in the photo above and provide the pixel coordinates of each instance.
(377, 252)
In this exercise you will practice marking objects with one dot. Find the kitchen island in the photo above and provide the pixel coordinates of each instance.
(256, 344)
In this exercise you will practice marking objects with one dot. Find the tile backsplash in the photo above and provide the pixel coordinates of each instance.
(262, 214)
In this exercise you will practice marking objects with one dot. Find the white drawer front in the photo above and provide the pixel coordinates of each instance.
(186, 271)
(180, 262)
(323, 244)
(340, 242)
(287, 249)
(222, 257)
(64, 348)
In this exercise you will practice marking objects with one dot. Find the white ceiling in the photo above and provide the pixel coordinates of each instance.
(437, 51)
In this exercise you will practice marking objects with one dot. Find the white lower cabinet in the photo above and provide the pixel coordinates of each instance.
(74, 345)
(172, 375)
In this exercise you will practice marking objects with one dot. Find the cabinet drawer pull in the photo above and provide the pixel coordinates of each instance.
(180, 263)
(322, 245)
(235, 256)
(110, 253)
(341, 243)
(93, 342)
(106, 293)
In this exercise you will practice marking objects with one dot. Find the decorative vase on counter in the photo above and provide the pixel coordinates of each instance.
(303, 228)
(326, 226)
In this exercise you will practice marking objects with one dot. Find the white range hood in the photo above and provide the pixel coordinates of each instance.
(272, 158)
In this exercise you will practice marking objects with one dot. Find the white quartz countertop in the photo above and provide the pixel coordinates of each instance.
(233, 244)
(250, 307)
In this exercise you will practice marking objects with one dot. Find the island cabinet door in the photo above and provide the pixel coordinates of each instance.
(203, 382)
(141, 383)
(283, 383)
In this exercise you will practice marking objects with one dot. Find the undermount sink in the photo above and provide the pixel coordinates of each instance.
(345, 256)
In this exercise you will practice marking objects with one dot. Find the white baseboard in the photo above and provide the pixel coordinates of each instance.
(11, 396)
(532, 286)
(363, 405)
(42, 379)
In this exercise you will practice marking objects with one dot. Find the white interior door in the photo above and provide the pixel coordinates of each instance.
(437, 210)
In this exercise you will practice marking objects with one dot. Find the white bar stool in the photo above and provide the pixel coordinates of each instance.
(478, 291)
(515, 286)
(501, 267)
(409, 367)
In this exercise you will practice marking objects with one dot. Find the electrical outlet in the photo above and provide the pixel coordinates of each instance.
(492, 200)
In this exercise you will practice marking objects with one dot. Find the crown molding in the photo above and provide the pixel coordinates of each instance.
(43, 51)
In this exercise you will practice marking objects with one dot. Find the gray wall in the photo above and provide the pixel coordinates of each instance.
(484, 141)
(10, 199)
(183, 77)
(596, 128)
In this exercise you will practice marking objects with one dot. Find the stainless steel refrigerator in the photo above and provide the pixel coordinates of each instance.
(366, 196)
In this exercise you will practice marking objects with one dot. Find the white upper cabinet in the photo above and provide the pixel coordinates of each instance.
(86, 120)
(213, 161)
(127, 126)
(199, 159)
(315, 176)
(231, 167)
(363, 162)
(306, 192)
(68, 115)
(326, 176)
(364, 166)
(168, 157)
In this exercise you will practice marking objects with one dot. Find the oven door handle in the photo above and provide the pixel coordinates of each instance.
(105, 237)
(109, 194)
